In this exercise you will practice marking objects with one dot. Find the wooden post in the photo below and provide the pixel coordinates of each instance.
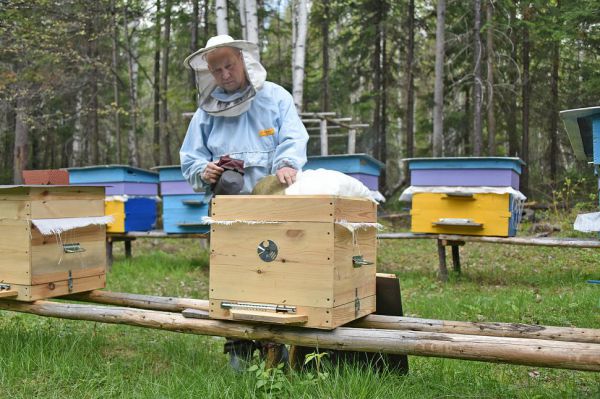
(351, 141)
(109, 254)
(443, 270)
(128, 248)
(531, 352)
(323, 131)
(456, 258)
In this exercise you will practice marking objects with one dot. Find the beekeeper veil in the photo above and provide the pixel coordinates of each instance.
(212, 99)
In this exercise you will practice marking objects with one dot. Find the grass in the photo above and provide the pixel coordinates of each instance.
(52, 358)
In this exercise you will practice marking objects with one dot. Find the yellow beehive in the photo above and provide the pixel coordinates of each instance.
(482, 214)
(116, 209)
(292, 259)
(36, 266)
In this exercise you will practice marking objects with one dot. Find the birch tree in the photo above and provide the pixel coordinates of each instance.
(251, 21)
(221, 13)
(491, 126)
(300, 20)
(156, 88)
(438, 91)
(477, 84)
(410, 88)
(164, 87)
(242, 10)
(132, 67)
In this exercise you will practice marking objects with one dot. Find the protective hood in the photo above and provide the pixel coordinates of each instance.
(214, 100)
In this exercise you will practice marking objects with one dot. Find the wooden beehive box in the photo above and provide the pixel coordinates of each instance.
(35, 266)
(292, 259)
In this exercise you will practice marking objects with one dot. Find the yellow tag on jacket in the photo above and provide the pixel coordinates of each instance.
(266, 132)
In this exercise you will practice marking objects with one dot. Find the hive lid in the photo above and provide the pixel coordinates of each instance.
(579, 129)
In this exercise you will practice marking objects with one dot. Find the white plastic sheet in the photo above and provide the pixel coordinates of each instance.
(587, 222)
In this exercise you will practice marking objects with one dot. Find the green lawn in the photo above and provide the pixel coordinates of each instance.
(47, 358)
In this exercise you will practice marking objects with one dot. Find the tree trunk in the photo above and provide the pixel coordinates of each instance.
(243, 27)
(438, 91)
(251, 21)
(115, 68)
(164, 86)
(301, 16)
(410, 89)
(78, 138)
(194, 42)
(477, 89)
(221, 13)
(553, 155)
(526, 90)
(93, 114)
(325, 56)
(132, 69)
(206, 7)
(491, 128)
(383, 187)
(21, 146)
(511, 120)
(156, 88)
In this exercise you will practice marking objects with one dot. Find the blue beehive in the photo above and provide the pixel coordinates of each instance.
(131, 193)
(583, 129)
(183, 208)
(361, 166)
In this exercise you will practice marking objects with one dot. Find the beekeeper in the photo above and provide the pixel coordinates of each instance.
(240, 115)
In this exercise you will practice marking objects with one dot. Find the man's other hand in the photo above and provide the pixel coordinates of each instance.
(211, 173)
(286, 175)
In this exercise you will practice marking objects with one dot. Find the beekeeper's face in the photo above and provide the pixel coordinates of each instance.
(227, 67)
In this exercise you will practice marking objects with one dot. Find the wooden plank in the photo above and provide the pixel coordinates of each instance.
(50, 263)
(275, 208)
(526, 241)
(66, 208)
(349, 281)
(15, 252)
(317, 317)
(268, 317)
(51, 192)
(15, 209)
(355, 210)
(301, 274)
(9, 294)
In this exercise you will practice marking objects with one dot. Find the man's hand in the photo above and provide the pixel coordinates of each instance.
(286, 175)
(211, 173)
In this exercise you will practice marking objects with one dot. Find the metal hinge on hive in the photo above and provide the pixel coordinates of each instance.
(258, 306)
(70, 282)
(356, 303)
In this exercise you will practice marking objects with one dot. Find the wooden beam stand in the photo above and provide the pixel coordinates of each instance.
(532, 352)
(455, 241)
(514, 330)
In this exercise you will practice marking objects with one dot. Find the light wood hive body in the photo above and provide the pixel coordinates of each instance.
(313, 270)
(37, 266)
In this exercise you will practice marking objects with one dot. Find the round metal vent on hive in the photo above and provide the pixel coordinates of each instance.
(267, 251)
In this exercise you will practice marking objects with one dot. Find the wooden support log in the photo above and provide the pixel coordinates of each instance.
(150, 302)
(531, 352)
(509, 330)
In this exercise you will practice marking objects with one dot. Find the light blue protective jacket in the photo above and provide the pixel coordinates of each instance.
(267, 137)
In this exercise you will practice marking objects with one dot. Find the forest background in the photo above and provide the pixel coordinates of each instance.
(85, 82)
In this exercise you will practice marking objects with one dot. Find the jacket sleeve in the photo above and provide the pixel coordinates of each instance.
(194, 155)
(292, 137)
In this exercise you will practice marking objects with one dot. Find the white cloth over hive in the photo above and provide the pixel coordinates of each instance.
(587, 222)
(408, 193)
(328, 182)
(57, 226)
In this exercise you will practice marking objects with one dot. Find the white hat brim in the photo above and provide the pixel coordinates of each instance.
(239, 44)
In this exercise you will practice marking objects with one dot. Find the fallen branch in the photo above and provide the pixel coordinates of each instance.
(532, 352)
